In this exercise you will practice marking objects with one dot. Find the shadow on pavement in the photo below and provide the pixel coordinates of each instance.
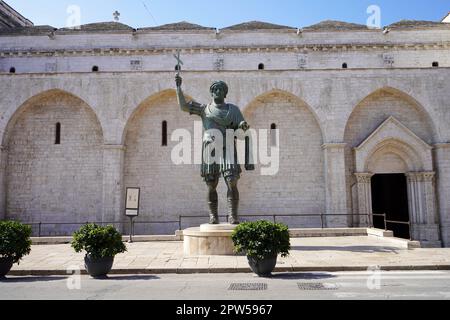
(367, 249)
(126, 277)
(17, 279)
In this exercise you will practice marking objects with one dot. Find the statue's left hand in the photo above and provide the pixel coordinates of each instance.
(244, 126)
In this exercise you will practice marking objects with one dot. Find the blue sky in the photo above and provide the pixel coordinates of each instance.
(219, 14)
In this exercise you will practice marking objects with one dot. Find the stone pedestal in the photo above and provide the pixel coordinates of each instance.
(208, 240)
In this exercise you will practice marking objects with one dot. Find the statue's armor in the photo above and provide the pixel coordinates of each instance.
(220, 119)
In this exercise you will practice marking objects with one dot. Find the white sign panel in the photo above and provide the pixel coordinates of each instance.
(132, 202)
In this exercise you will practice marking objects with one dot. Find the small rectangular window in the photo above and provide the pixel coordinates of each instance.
(58, 133)
(164, 134)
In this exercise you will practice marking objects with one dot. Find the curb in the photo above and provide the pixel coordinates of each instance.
(56, 272)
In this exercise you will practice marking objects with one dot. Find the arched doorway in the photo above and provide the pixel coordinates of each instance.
(394, 176)
(389, 185)
(390, 196)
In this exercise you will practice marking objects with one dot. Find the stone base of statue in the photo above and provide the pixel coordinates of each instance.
(209, 240)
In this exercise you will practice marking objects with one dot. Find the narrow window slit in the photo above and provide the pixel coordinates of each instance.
(164, 133)
(273, 134)
(58, 133)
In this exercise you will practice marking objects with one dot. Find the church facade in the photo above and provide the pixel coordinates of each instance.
(363, 118)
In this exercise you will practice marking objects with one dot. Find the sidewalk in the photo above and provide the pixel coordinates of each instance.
(352, 253)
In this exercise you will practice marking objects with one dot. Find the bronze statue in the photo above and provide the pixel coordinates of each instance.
(220, 116)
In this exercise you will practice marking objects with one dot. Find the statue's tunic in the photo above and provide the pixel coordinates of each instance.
(221, 119)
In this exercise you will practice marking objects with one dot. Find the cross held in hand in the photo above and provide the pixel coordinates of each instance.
(179, 62)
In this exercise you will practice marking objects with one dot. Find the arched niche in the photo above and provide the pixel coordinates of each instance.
(47, 181)
(167, 189)
(368, 115)
(298, 185)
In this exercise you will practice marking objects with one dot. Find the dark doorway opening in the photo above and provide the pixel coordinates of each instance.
(389, 195)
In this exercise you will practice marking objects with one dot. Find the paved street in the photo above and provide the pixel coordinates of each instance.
(159, 270)
(282, 286)
(307, 254)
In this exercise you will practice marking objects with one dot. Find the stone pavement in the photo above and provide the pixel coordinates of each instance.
(353, 253)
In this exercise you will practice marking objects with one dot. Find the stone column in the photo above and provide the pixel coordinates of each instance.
(430, 198)
(3, 161)
(113, 166)
(335, 191)
(442, 167)
(415, 207)
(364, 189)
(422, 208)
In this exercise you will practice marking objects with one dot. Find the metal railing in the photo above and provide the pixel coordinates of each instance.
(369, 223)
(40, 225)
(386, 222)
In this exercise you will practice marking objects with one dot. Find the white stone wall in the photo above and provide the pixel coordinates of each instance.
(51, 182)
(207, 39)
(243, 60)
(127, 105)
(299, 185)
(244, 50)
(112, 140)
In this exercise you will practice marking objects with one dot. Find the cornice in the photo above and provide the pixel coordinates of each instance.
(307, 48)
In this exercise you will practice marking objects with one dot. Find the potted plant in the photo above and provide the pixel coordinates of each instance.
(101, 245)
(261, 241)
(15, 243)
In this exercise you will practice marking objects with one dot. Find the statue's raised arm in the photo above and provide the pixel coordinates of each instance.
(180, 96)
(191, 106)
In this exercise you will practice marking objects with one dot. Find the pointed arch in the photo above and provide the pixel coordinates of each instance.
(401, 96)
(52, 176)
(299, 182)
(41, 97)
(148, 102)
(411, 158)
(250, 108)
(395, 138)
(373, 108)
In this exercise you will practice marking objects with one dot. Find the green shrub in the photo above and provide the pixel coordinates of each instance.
(97, 241)
(15, 240)
(261, 239)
